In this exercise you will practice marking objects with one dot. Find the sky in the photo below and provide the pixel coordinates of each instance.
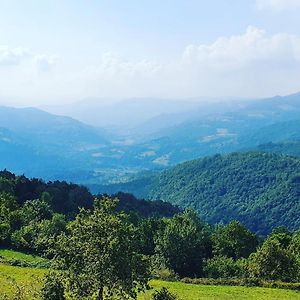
(54, 51)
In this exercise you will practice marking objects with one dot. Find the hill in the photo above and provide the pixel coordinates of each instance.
(39, 144)
(219, 128)
(152, 135)
(259, 189)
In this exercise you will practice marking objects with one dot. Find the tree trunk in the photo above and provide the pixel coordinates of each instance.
(100, 294)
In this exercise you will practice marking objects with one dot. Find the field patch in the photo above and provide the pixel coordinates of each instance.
(204, 292)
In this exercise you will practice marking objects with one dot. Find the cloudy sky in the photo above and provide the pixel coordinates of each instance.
(54, 51)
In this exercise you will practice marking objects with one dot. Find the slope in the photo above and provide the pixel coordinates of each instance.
(262, 190)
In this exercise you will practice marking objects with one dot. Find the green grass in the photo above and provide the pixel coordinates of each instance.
(198, 292)
(20, 273)
(20, 259)
(15, 255)
(27, 280)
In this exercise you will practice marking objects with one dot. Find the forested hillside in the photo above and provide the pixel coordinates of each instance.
(262, 190)
(290, 147)
(67, 198)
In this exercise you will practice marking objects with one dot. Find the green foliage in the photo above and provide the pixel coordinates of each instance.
(147, 232)
(60, 196)
(144, 209)
(8, 217)
(15, 258)
(164, 274)
(257, 189)
(53, 288)
(233, 240)
(225, 267)
(163, 294)
(99, 255)
(273, 262)
(184, 243)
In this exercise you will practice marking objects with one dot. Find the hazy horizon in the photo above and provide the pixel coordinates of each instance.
(55, 52)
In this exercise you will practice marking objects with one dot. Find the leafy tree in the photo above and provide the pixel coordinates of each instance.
(233, 240)
(148, 230)
(6, 185)
(8, 217)
(53, 288)
(46, 233)
(184, 244)
(99, 255)
(282, 235)
(273, 262)
(224, 267)
(35, 210)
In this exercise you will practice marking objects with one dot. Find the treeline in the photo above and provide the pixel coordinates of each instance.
(100, 250)
(32, 208)
(261, 190)
(103, 251)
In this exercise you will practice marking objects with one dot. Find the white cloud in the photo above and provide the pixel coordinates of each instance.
(253, 63)
(250, 64)
(45, 62)
(277, 5)
(254, 47)
(16, 56)
(13, 56)
(112, 64)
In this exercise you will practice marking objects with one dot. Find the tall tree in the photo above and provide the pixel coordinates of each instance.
(233, 240)
(184, 244)
(99, 255)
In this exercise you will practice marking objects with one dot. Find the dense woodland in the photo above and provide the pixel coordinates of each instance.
(259, 189)
(99, 249)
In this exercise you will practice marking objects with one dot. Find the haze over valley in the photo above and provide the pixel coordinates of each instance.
(149, 150)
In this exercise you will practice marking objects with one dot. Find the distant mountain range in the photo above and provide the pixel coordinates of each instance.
(146, 135)
(247, 126)
(41, 144)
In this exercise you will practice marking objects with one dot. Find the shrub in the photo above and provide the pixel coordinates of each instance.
(165, 274)
(52, 288)
(224, 267)
(163, 294)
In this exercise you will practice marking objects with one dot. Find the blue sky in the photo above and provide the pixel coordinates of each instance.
(60, 51)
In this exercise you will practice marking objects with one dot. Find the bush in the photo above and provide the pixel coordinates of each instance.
(224, 267)
(52, 288)
(163, 294)
(250, 282)
(272, 261)
(165, 274)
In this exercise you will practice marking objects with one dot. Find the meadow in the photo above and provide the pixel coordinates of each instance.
(26, 282)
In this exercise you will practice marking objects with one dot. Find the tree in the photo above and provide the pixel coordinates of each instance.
(273, 262)
(8, 217)
(148, 229)
(99, 255)
(184, 244)
(233, 240)
(224, 267)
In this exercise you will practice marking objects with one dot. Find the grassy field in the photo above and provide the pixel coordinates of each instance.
(27, 281)
(9, 255)
(196, 292)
